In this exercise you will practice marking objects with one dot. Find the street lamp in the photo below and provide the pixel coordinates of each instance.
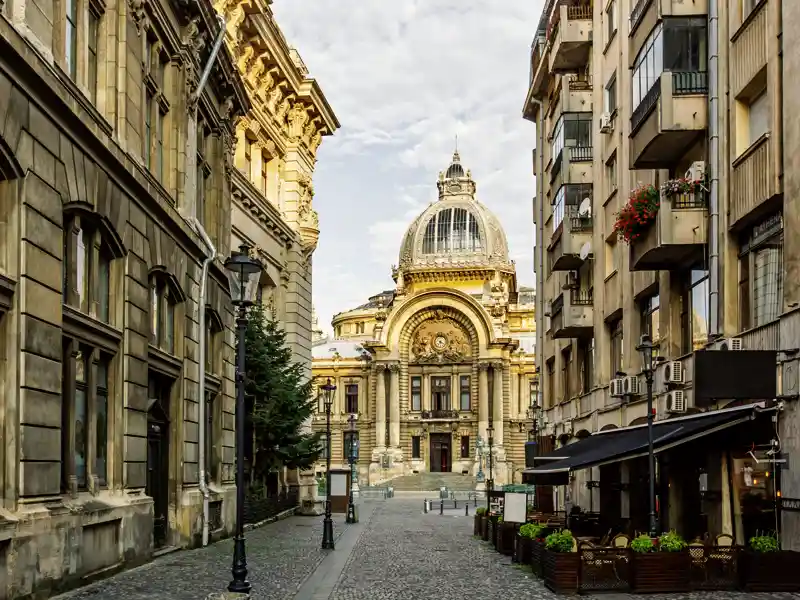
(645, 348)
(351, 507)
(490, 481)
(479, 454)
(244, 273)
(533, 412)
(328, 390)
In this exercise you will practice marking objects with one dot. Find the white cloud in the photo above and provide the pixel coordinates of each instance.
(404, 77)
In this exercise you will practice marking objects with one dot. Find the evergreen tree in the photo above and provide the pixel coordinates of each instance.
(280, 399)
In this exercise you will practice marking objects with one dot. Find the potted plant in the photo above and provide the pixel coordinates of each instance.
(525, 536)
(560, 565)
(506, 532)
(480, 521)
(660, 565)
(638, 214)
(767, 568)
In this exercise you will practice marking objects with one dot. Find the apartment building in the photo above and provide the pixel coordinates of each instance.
(660, 211)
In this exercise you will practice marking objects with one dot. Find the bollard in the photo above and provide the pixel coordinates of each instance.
(425, 506)
(466, 509)
(455, 503)
(441, 507)
(475, 500)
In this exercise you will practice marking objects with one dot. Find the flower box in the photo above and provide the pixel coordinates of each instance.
(522, 549)
(770, 571)
(537, 553)
(560, 571)
(661, 572)
(506, 532)
(476, 530)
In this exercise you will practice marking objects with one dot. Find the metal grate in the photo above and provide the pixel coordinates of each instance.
(215, 515)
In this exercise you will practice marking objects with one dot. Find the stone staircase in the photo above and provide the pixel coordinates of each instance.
(432, 482)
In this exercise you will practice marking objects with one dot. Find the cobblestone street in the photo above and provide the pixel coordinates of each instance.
(394, 553)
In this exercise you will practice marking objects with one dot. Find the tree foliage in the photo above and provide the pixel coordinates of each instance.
(279, 398)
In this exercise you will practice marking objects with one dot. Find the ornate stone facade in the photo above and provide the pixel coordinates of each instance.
(426, 367)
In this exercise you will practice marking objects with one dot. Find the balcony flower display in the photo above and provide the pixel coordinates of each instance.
(638, 213)
(683, 186)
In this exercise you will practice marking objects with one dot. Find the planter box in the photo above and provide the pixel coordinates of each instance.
(522, 549)
(560, 571)
(537, 554)
(477, 527)
(661, 572)
(506, 532)
(771, 571)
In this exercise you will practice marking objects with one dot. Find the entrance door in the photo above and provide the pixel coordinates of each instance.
(440, 452)
(157, 485)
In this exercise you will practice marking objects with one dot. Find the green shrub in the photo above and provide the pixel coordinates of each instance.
(532, 530)
(671, 542)
(500, 519)
(764, 543)
(643, 544)
(480, 511)
(560, 541)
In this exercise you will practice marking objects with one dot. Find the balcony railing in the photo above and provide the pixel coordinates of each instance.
(638, 11)
(440, 414)
(580, 153)
(765, 337)
(689, 200)
(557, 306)
(751, 181)
(581, 297)
(749, 48)
(685, 83)
(578, 222)
(646, 105)
(579, 83)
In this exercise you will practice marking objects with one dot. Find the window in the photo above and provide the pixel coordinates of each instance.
(611, 175)
(611, 20)
(209, 441)
(203, 171)
(162, 315)
(465, 392)
(87, 268)
(758, 118)
(568, 200)
(416, 447)
(71, 38)
(610, 95)
(248, 164)
(213, 342)
(92, 35)
(566, 365)
(452, 230)
(350, 444)
(574, 130)
(153, 68)
(264, 177)
(416, 393)
(551, 382)
(586, 350)
(761, 274)
(441, 393)
(351, 398)
(694, 311)
(85, 406)
(611, 259)
(649, 312)
(465, 446)
(617, 356)
(648, 66)
(323, 441)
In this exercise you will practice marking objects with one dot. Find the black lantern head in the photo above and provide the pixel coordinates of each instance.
(328, 389)
(244, 274)
(645, 348)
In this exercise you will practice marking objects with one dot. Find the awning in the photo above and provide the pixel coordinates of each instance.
(615, 445)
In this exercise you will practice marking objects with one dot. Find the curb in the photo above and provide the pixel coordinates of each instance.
(279, 517)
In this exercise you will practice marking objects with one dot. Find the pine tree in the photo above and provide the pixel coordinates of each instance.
(280, 399)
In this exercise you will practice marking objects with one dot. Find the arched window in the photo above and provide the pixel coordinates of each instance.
(164, 297)
(452, 230)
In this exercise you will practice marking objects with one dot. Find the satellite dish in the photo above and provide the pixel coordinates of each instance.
(586, 250)
(585, 208)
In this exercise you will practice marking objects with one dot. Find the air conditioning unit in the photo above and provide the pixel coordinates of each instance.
(548, 308)
(728, 344)
(631, 385)
(696, 171)
(673, 372)
(617, 388)
(606, 124)
(676, 401)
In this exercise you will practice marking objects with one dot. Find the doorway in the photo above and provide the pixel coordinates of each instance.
(157, 485)
(440, 393)
(440, 452)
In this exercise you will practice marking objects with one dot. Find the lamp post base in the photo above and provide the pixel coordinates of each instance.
(239, 584)
(327, 534)
(351, 514)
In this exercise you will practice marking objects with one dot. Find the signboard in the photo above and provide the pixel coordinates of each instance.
(338, 484)
(496, 502)
(792, 504)
(515, 507)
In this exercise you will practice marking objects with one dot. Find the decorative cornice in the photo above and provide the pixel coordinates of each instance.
(260, 209)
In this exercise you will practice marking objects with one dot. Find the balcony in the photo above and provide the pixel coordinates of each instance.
(670, 118)
(754, 185)
(573, 94)
(676, 238)
(439, 415)
(749, 50)
(573, 165)
(572, 314)
(570, 35)
(646, 14)
(571, 239)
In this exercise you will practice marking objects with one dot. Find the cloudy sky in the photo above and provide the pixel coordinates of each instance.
(404, 78)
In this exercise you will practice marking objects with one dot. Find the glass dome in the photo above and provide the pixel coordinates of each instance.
(452, 231)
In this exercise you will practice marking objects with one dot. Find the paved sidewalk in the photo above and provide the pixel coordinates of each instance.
(280, 556)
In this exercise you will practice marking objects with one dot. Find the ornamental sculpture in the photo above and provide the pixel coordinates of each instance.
(440, 340)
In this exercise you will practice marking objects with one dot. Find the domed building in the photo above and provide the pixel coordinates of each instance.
(424, 370)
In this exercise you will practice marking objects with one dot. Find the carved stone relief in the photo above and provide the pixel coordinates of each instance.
(137, 13)
(440, 340)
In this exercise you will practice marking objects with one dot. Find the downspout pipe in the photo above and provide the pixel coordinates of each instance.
(201, 357)
(540, 329)
(714, 326)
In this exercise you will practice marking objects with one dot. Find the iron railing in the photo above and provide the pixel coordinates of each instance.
(580, 153)
(581, 297)
(638, 12)
(439, 414)
(697, 199)
(260, 506)
(685, 83)
(646, 105)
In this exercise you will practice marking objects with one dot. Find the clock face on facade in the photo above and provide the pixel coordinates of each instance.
(440, 342)
(455, 187)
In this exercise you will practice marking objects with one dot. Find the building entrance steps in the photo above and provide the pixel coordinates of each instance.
(433, 482)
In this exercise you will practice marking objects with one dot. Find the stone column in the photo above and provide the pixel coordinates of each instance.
(455, 391)
(497, 398)
(380, 406)
(394, 406)
(483, 399)
(425, 403)
(516, 399)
